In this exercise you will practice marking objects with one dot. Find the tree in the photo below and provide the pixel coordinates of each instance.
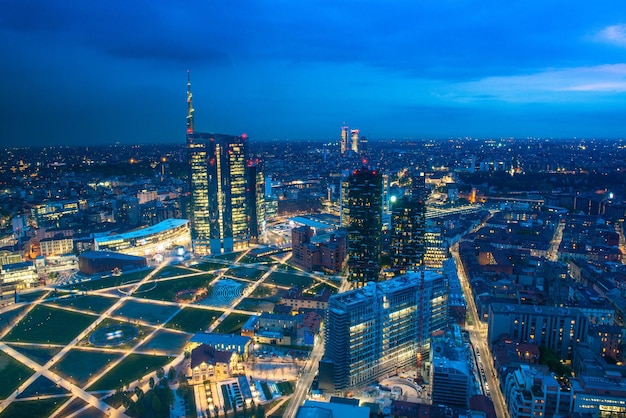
(171, 374)
(160, 373)
(151, 382)
(260, 411)
(156, 405)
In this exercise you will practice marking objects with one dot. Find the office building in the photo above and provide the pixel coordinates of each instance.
(363, 205)
(408, 220)
(435, 248)
(451, 377)
(354, 140)
(56, 246)
(255, 200)
(350, 140)
(227, 206)
(381, 328)
(344, 139)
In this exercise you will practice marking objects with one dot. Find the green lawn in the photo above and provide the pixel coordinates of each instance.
(12, 374)
(193, 320)
(167, 289)
(43, 386)
(255, 305)
(169, 341)
(287, 279)
(316, 288)
(44, 324)
(7, 317)
(131, 368)
(232, 323)
(268, 292)
(172, 271)
(79, 365)
(31, 296)
(142, 331)
(72, 407)
(228, 256)
(38, 354)
(112, 281)
(96, 304)
(209, 266)
(38, 408)
(246, 273)
(148, 312)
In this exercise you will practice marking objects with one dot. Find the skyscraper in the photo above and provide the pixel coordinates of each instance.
(363, 206)
(221, 194)
(255, 196)
(350, 140)
(354, 140)
(344, 139)
(408, 221)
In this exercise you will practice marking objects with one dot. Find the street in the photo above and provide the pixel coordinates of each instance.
(478, 336)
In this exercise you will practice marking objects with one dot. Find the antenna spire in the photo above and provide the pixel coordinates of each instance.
(189, 105)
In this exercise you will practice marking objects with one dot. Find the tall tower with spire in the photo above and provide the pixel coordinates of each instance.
(221, 196)
(189, 105)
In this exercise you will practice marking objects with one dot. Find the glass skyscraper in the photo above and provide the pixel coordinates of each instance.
(218, 192)
(408, 220)
(222, 195)
(363, 207)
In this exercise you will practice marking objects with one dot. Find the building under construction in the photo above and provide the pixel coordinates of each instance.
(381, 329)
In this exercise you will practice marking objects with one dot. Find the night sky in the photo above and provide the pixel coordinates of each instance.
(98, 72)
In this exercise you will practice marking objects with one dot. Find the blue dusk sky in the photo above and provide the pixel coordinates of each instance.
(99, 72)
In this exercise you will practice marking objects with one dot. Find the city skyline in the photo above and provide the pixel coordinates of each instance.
(115, 72)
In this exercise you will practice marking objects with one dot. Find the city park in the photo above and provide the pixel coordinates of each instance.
(73, 349)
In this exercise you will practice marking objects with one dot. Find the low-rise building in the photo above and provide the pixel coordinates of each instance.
(283, 329)
(209, 363)
(148, 241)
(19, 275)
(97, 262)
(224, 342)
(297, 300)
(56, 246)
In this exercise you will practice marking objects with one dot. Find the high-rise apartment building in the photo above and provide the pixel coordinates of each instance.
(363, 206)
(380, 328)
(227, 209)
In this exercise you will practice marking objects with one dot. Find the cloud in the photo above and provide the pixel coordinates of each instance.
(615, 34)
(452, 40)
(548, 86)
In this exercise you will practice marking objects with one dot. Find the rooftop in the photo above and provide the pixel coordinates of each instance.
(144, 232)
